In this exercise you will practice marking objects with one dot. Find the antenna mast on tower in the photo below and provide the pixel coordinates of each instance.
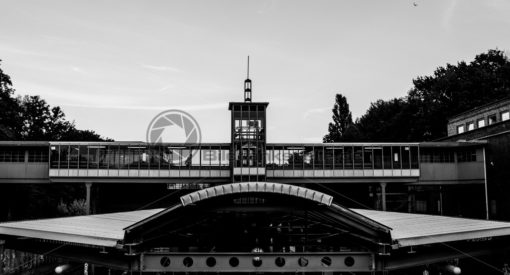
(247, 84)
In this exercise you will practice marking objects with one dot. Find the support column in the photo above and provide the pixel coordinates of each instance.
(88, 186)
(383, 195)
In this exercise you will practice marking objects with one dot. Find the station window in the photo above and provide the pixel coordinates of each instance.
(460, 129)
(12, 155)
(470, 126)
(328, 158)
(492, 119)
(378, 157)
(319, 157)
(436, 155)
(505, 115)
(466, 155)
(481, 123)
(38, 155)
(339, 158)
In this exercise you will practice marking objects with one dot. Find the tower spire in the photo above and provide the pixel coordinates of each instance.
(247, 84)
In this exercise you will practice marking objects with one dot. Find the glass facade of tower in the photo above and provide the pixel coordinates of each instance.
(248, 139)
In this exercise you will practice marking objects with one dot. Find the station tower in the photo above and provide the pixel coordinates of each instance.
(248, 136)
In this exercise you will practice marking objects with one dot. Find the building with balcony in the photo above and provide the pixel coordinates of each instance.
(490, 124)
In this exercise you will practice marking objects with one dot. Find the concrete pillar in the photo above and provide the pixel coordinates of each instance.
(383, 195)
(88, 186)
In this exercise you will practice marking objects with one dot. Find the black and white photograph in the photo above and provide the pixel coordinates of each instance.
(189, 137)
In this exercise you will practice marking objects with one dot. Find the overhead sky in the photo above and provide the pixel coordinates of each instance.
(113, 65)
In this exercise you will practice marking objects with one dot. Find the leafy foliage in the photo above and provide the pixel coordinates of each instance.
(342, 119)
(423, 114)
(32, 118)
(9, 117)
(74, 208)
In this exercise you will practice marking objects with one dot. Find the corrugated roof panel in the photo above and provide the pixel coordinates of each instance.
(108, 229)
(418, 229)
(102, 230)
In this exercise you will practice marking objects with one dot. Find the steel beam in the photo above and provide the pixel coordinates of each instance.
(256, 262)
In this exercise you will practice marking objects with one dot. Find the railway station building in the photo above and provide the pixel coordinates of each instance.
(251, 206)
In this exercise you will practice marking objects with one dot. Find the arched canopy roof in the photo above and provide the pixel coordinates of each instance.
(278, 198)
(257, 187)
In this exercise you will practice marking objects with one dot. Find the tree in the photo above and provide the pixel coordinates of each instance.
(423, 114)
(457, 88)
(342, 119)
(9, 118)
(32, 118)
(387, 121)
(40, 121)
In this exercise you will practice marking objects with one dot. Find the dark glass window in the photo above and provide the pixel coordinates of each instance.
(64, 156)
(368, 158)
(436, 155)
(358, 157)
(397, 157)
(319, 157)
(308, 157)
(298, 159)
(339, 158)
(468, 155)
(414, 157)
(378, 157)
(387, 155)
(83, 158)
(54, 156)
(112, 156)
(74, 154)
(492, 119)
(328, 157)
(406, 151)
(93, 157)
(38, 155)
(12, 154)
(348, 157)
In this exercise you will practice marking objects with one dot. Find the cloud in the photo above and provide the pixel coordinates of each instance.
(161, 68)
(449, 13)
(167, 87)
(199, 107)
(77, 69)
(314, 111)
(313, 139)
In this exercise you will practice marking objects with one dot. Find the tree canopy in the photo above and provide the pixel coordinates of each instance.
(31, 118)
(342, 119)
(423, 114)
